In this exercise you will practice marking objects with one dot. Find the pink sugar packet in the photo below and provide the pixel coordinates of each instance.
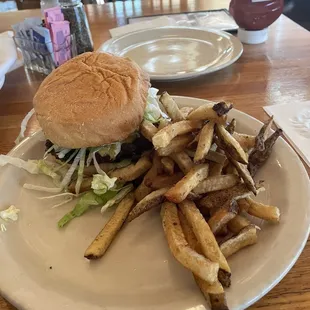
(60, 33)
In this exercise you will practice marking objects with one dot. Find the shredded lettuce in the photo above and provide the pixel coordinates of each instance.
(87, 200)
(80, 171)
(153, 112)
(101, 183)
(10, 214)
(119, 196)
(30, 165)
(111, 150)
(52, 190)
(66, 180)
(48, 169)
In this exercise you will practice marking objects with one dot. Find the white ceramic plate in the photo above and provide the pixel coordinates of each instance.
(138, 272)
(174, 53)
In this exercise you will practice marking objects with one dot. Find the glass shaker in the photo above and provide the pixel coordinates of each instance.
(74, 12)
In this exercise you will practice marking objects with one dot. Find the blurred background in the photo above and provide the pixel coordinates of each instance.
(297, 10)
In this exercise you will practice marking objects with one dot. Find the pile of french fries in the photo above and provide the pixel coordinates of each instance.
(200, 174)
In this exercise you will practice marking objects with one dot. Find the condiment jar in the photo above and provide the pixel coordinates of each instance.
(74, 12)
(254, 17)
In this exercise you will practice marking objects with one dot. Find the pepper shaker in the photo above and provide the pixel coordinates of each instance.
(74, 12)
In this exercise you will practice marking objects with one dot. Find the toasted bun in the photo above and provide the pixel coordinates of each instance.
(91, 100)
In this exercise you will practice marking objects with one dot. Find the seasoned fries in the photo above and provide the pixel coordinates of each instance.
(132, 171)
(183, 161)
(262, 211)
(165, 180)
(219, 198)
(189, 258)
(216, 157)
(247, 236)
(216, 183)
(186, 110)
(101, 243)
(178, 144)
(230, 144)
(156, 169)
(168, 165)
(204, 142)
(180, 191)
(197, 159)
(205, 237)
(171, 107)
(244, 174)
(148, 130)
(222, 216)
(239, 222)
(262, 135)
(212, 292)
(147, 203)
(211, 111)
(258, 158)
(247, 142)
(164, 136)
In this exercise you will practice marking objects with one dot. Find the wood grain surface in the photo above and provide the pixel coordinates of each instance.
(266, 74)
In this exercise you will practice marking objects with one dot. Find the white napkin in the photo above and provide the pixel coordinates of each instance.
(8, 54)
(157, 22)
(294, 120)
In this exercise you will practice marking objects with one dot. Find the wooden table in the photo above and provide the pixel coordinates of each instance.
(271, 73)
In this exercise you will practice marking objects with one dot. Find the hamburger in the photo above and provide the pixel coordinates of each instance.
(90, 110)
(93, 100)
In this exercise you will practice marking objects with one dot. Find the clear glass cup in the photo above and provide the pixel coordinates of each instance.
(74, 12)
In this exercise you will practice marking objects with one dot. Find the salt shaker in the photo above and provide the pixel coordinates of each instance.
(74, 12)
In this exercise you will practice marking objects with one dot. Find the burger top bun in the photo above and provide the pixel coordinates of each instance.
(91, 100)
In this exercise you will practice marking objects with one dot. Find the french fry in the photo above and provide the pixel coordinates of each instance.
(222, 216)
(171, 107)
(156, 169)
(244, 174)
(180, 191)
(230, 145)
(144, 188)
(216, 157)
(247, 142)
(215, 169)
(212, 292)
(263, 134)
(132, 171)
(164, 136)
(247, 236)
(168, 165)
(208, 111)
(258, 158)
(152, 200)
(166, 180)
(142, 191)
(163, 122)
(230, 169)
(106, 167)
(183, 161)
(85, 185)
(206, 239)
(216, 183)
(219, 198)
(189, 258)
(239, 222)
(262, 211)
(148, 130)
(231, 127)
(104, 239)
(178, 144)
(185, 111)
(204, 142)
